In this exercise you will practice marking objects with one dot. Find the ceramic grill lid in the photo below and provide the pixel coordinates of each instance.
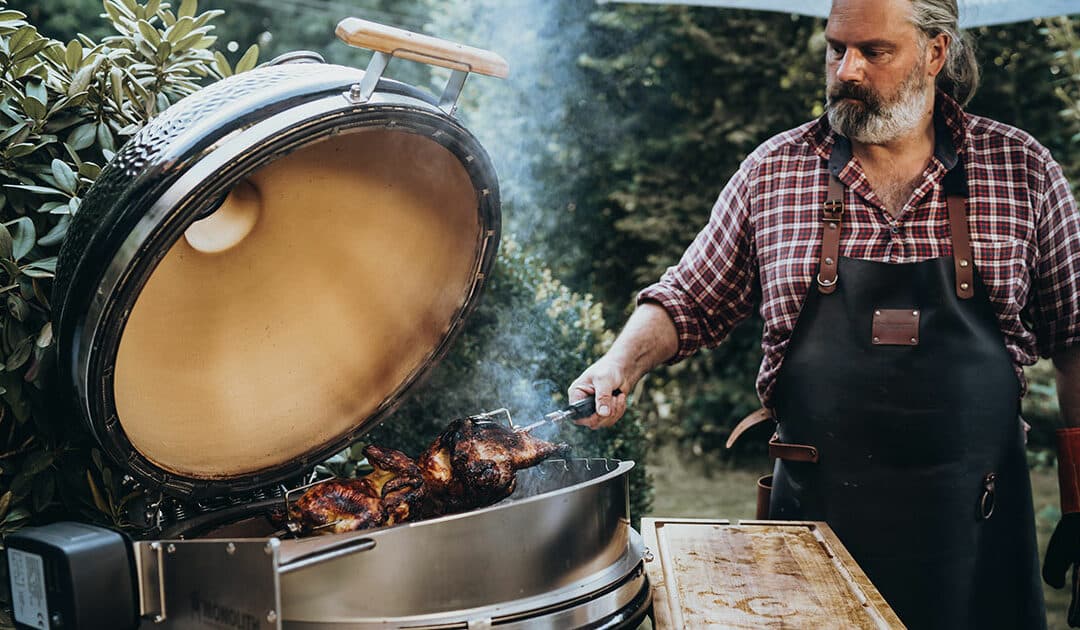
(263, 271)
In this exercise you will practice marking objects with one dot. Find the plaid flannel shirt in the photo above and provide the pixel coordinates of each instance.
(764, 237)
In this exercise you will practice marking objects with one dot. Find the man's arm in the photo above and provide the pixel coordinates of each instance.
(649, 339)
(1067, 365)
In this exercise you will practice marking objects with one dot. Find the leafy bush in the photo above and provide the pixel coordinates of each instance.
(65, 109)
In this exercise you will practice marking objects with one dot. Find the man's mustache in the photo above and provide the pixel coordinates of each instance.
(853, 91)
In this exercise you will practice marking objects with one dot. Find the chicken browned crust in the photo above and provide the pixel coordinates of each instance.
(471, 464)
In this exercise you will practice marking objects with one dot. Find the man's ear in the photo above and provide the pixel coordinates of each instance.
(937, 50)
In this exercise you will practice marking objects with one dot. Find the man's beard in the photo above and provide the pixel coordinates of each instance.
(872, 120)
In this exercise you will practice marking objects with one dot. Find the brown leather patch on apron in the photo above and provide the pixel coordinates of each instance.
(896, 327)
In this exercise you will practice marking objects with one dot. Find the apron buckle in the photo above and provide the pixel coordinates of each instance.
(986, 501)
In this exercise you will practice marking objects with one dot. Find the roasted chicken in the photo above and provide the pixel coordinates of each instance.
(392, 493)
(472, 463)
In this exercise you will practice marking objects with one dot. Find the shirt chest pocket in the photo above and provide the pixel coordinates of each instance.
(1004, 265)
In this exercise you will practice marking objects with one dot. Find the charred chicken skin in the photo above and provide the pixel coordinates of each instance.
(472, 463)
(392, 493)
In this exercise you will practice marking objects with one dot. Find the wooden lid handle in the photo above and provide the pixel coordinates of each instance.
(423, 48)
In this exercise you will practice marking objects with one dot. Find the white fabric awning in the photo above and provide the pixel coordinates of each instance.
(972, 12)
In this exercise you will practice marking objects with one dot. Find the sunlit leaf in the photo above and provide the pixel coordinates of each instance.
(248, 61)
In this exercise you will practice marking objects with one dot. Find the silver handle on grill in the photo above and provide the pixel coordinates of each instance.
(345, 548)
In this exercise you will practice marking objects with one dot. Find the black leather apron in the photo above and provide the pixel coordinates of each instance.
(921, 469)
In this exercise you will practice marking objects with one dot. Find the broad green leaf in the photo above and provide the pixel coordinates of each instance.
(45, 337)
(73, 56)
(82, 137)
(116, 82)
(179, 30)
(22, 351)
(188, 8)
(23, 236)
(81, 79)
(40, 190)
(20, 150)
(37, 90)
(33, 107)
(13, 132)
(50, 206)
(18, 515)
(248, 61)
(149, 33)
(56, 235)
(152, 7)
(65, 177)
(89, 170)
(105, 139)
(17, 307)
(164, 49)
(222, 64)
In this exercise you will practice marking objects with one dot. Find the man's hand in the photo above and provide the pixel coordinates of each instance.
(648, 339)
(601, 379)
(1063, 553)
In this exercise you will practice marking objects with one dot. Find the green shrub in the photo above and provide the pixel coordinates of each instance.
(529, 337)
(64, 110)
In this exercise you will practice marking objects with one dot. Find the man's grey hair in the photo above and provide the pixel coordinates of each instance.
(960, 76)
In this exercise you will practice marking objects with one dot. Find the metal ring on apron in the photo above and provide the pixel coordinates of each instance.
(986, 501)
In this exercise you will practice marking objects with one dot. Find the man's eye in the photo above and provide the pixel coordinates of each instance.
(837, 50)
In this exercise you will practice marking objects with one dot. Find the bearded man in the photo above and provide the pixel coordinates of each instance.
(908, 259)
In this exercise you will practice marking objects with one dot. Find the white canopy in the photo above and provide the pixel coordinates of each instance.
(972, 12)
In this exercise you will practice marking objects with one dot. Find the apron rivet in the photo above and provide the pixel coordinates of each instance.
(963, 263)
(828, 261)
(914, 340)
(964, 286)
(877, 313)
(914, 313)
(832, 226)
(877, 339)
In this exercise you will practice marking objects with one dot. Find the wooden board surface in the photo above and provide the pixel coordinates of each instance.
(757, 574)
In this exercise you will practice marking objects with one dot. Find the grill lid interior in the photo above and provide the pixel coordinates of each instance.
(338, 271)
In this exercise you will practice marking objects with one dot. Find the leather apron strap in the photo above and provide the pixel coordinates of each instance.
(832, 214)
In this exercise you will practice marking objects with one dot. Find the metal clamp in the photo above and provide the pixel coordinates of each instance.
(987, 500)
(832, 210)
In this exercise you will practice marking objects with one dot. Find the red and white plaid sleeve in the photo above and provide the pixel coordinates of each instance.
(1056, 306)
(711, 289)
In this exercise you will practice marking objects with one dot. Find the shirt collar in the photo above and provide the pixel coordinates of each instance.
(949, 135)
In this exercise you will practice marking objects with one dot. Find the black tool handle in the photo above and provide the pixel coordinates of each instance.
(586, 407)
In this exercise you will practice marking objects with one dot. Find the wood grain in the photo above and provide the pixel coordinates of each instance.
(757, 574)
(423, 48)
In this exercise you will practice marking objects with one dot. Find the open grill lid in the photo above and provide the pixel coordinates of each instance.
(264, 270)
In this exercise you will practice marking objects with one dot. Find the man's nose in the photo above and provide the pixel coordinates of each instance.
(851, 67)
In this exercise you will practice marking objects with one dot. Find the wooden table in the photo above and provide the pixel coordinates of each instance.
(757, 574)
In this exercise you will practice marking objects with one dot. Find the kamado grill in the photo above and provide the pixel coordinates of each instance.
(253, 283)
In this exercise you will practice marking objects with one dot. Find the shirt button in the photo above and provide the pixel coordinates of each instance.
(895, 229)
